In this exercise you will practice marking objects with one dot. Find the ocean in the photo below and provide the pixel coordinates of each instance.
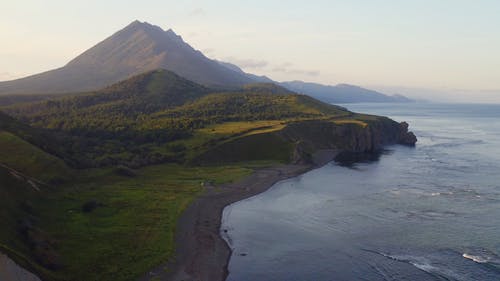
(426, 213)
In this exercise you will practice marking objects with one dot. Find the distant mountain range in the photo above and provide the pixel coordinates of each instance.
(341, 93)
(141, 47)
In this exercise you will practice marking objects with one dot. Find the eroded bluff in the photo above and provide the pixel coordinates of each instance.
(311, 136)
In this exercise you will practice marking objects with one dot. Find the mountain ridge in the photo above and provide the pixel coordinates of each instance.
(341, 93)
(137, 48)
(141, 47)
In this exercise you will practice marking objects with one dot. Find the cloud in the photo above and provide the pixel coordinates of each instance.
(286, 64)
(197, 12)
(247, 63)
(5, 76)
(288, 68)
(490, 91)
(312, 73)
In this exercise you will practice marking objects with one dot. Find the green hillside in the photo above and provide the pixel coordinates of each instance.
(93, 183)
(17, 196)
(154, 118)
(29, 169)
(95, 224)
(28, 159)
(124, 103)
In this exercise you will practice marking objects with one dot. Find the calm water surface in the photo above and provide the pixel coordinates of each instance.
(425, 213)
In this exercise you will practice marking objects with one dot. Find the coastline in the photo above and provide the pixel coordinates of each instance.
(201, 252)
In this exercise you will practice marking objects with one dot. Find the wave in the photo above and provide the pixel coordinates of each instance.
(477, 259)
(418, 262)
(459, 142)
(443, 266)
(482, 256)
(447, 263)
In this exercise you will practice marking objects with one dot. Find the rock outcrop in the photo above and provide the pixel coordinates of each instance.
(406, 137)
(311, 136)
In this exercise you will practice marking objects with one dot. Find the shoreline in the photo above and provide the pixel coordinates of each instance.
(202, 254)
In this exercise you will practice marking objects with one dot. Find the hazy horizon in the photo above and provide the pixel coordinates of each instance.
(446, 51)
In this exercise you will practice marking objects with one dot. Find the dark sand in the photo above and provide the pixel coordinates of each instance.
(201, 253)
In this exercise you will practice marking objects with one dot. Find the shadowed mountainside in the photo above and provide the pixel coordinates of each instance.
(137, 48)
(142, 47)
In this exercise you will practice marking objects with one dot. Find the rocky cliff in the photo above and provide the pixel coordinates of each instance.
(298, 142)
(372, 136)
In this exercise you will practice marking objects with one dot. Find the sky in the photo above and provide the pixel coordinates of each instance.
(444, 50)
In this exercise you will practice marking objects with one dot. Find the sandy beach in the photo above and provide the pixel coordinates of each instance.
(201, 253)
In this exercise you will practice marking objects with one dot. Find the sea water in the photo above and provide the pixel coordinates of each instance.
(426, 213)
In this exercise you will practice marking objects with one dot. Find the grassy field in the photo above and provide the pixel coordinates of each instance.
(30, 160)
(132, 228)
(130, 225)
(231, 128)
(253, 147)
(350, 121)
(209, 137)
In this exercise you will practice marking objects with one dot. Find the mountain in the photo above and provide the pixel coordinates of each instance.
(139, 95)
(256, 78)
(142, 47)
(137, 48)
(341, 93)
(152, 109)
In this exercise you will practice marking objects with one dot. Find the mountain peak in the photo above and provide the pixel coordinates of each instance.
(144, 26)
(137, 48)
(156, 82)
(171, 33)
(136, 22)
(147, 26)
(141, 46)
